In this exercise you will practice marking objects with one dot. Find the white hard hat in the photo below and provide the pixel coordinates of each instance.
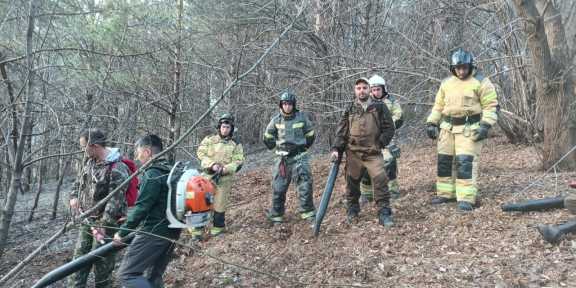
(377, 81)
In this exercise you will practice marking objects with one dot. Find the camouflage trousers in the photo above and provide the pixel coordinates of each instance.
(295, 169)
(103, 268)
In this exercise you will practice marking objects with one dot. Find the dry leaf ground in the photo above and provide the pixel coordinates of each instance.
(429, 246)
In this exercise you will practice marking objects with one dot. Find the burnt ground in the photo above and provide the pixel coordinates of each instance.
(428, 247)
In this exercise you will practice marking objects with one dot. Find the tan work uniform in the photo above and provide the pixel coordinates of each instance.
(362, 133)
(391, 163)
(226, 152)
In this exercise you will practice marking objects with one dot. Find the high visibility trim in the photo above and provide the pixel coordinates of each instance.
(466, 189)
(490, 115)
(277, 219)
(307, 215)
(268, 136)
(214, 231)
(434, 117)
(473, 88)
(309, 134)
(195, 231)
(298, 125)
(489, 98)
(446, 187)
(279, 125)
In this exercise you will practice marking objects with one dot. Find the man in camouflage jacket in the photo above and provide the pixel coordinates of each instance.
(102, 172)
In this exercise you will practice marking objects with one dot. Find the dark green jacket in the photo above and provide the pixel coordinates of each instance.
(149, 213)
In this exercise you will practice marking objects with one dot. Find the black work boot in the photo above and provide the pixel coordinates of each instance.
(441, 200)
(352, 212)
(553, 234)
(464, 206)
(275, 218)
(385, 217)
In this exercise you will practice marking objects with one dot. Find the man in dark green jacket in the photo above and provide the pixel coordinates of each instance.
(147, 252)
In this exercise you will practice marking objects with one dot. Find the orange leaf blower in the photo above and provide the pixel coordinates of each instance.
(190, 196)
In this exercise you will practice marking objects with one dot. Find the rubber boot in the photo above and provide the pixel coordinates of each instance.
(196, 234)
(219, 223)
(464, 206)
(441, 200)
(535, 205)
(385, 217)
(553, 233)
(352, 212)
(275, 219)
(308, 216)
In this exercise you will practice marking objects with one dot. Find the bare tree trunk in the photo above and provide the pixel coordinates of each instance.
(518, 120)
(8, 175)
(13, 109)
(553, 81)
(174, 122)
(11, 140)
(40, 178)
(27, 183)
(17, 167)
(62, 168)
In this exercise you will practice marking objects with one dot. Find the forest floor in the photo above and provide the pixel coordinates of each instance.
(428, 247)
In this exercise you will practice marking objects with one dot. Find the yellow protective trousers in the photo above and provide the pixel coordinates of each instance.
(223, 188)
(458, 158)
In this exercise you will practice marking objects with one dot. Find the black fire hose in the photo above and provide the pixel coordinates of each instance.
(81, 262)
(326, 196)
(535, 205)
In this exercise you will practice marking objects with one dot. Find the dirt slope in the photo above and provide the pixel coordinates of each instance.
(429, 247)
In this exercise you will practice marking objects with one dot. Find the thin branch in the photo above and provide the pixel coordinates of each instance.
(73, 49)
(30, 162)
(14, 271)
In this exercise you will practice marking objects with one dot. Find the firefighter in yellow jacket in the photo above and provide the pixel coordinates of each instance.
(221, 157)
(379, 92)
(464, 111)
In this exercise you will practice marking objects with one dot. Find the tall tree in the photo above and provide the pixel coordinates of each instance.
(553, 77)
(17, 152)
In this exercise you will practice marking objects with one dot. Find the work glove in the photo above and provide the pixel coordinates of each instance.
(394, 150)
(216, 168)
(432, 130)
(482, 132)
(334, 156)
(398, 123)
(384, 140)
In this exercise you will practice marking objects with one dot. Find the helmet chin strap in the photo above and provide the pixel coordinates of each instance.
(284, 112)
(471, 69)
